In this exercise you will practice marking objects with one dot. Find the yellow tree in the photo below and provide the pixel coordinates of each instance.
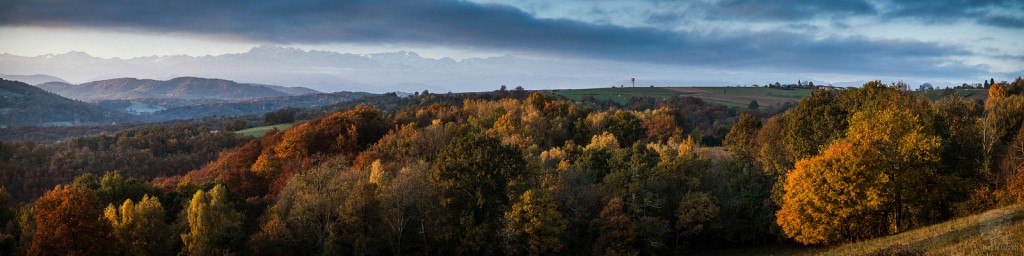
(212, 223)
(864, 185)
(997, 91)
(140, 227)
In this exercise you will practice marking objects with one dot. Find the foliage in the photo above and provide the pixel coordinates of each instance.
(534, 221)
(476, 177)
(865, 185)
(140, 228)
(67, 222)
(213, 223)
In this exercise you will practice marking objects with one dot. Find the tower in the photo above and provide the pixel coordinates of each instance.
(632, 81)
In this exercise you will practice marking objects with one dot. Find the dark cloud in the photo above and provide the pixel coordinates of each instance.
(951, 11)
(787, 10)
(1003, 21)
(461, 24)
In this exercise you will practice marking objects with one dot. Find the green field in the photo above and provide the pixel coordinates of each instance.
(979, 94)
(737, 97)
(259, 131)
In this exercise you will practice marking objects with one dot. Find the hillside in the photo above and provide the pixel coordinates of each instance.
(22, 104)
(33, 79)
(729, 96)
(995, 232)
(177, 88)
(252, 106)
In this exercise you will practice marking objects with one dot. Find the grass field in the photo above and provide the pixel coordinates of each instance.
(979, 94)
(737, 97)
(259, 131)
(995, 232)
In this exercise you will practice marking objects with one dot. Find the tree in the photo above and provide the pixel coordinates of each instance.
(534, 221)
(753, 105)
(8, 230)
(864, 185)
(996, 91)
(359, 223)
(663, 126)
(140, 228)
(695, 210)
(926, 87)
(815, 122)
(213, 224)
(476, 176)
(626, 127)
(299, 221)
(616, 230)
(742, 138)
(67, 222)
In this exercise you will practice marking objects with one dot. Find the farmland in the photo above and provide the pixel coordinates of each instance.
(259, 131)
(738, 97)
(730, 96)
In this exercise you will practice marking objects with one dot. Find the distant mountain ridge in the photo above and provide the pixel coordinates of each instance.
(33, 79)
(187, 88)
(22, 104)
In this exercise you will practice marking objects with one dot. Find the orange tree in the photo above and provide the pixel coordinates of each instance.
(865, 185)
(68, 222)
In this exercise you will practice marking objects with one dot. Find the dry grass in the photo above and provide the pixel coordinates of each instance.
(996, 232)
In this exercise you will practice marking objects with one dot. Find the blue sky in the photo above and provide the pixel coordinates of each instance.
(842, 40)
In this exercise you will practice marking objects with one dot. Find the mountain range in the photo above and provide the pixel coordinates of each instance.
(185, 88)
(330, 71)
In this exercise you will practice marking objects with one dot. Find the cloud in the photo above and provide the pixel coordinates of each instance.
(951, 11)
(492, 26)
(787, 10)
(1004, 21)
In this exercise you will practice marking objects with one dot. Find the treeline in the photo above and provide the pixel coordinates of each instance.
(481, 175)
(27, 169)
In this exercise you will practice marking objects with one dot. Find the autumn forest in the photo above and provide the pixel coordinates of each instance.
(514, 172)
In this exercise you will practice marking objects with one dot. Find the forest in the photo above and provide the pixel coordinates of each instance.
(522, 173)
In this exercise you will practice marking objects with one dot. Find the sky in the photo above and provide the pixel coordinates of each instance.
(939, 41)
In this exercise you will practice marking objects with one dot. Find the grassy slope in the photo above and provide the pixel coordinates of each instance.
(738, 97)
(259, 131)
(995, 232)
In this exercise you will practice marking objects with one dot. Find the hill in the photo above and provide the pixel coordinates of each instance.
(730, 96)
(252, 106)
(22, 104)
(995, 232)
(177, 88)
(33, 79)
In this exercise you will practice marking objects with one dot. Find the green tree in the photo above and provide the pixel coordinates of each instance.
(534, 221)
(815, 122)
(626, 127)
(476, 176)
(213, 224)
(742, 138)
